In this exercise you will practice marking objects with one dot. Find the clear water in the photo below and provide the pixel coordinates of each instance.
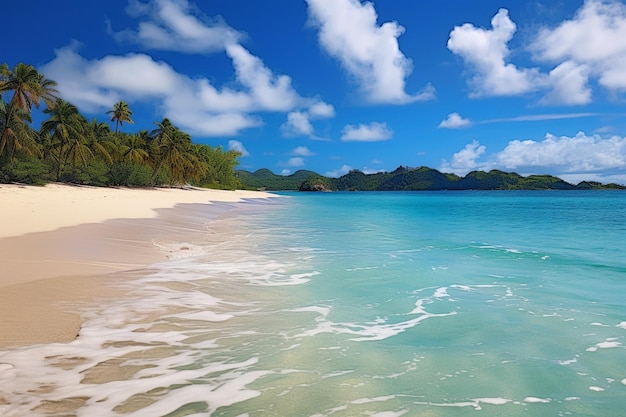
(359, 304)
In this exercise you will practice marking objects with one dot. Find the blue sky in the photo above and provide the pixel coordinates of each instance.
(332, 85)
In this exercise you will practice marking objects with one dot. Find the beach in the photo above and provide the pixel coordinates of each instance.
(325, 304)
(61, 245)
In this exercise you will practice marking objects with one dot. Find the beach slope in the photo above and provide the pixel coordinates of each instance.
(57, 242)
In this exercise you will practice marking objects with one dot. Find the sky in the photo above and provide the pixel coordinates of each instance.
(530, 86)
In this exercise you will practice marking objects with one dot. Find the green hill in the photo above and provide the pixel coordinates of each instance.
(267, 180)
(410, 179)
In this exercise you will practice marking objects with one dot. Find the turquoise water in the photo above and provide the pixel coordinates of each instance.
(360, 304)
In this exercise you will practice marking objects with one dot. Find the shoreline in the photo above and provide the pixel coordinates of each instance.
(61, 247)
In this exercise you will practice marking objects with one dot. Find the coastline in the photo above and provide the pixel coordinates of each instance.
(60, 247)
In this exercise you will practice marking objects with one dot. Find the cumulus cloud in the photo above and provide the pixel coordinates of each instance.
(486, 51)
(193, 104)
(295, 162)
(580, 153)
(321, 110)
(338, 172)
(177, 26)
(569, 85)
(269, 91)
(595, 37)
(235, 145)
(374, 132)
(454, 121)
(299, 122)
(465, 160)
(574, 158)
(591, 46)
(370, 53)
(302, 151)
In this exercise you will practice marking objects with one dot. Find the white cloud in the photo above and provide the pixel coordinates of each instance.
(285, 172)
(302, 151)
(605, 178)
(455, 121)
(193, 104)
(235, 145)
(569, 85)
(580, 153)
(295, 162)
(464, 161)
(177, 26)
(374, 132)
(297, 124)
(367, 170)
(591, 46)
(269, 91)
(321, 110)
(573, 159)
(370, 53)
(486, 51)
(338, 172)
(595, 37)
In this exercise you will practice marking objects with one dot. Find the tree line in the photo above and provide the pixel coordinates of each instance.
(67, 147)
(412, 179)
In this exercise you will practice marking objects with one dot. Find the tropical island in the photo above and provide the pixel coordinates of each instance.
(68, 148)
(410, 179)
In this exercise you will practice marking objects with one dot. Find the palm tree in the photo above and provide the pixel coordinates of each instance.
(28, 85)
(172, 149)
(97, 140)
(15, 134)
(135, 148)
(67, 130)
(120, 114)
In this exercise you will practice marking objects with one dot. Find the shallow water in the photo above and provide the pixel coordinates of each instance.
(347, 304)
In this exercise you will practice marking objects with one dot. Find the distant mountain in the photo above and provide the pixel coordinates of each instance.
(410, 179)
(267, 180)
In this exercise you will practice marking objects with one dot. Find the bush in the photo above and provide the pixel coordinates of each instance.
(27, 170)
(129, 174)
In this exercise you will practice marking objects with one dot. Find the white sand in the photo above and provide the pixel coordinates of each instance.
(27, 209)
(57, 241)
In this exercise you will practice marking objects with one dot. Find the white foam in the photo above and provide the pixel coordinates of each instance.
(164, 313)
(607, 344)
(475, 403)
(597, 389)
(622, 325)
(202, 316)
(441, 292)
(373, 400)
(537, 400)
(389, 413)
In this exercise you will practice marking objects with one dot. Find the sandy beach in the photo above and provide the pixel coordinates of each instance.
(60, 246)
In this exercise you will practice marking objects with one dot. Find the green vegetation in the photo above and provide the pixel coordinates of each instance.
(316, 183)
(411, 179)
(266, 180)
(68, 148)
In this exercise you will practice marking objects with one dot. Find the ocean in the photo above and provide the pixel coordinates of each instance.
(358, 304)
